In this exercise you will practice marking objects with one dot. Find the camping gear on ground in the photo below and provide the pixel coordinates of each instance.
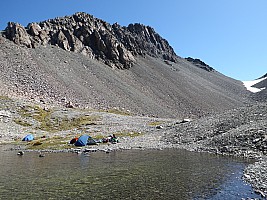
(98, 140)
(91, 141)
(28, 138)
(73, 140)
(114, 140)
(41, 155)
(105, 140)
(82, 140)
(111, 138)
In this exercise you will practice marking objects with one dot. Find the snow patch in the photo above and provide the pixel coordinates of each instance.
(249, 84)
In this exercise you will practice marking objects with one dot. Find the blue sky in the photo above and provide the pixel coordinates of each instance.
(229, 35)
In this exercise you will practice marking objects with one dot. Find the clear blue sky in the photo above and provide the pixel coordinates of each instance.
(229, 35)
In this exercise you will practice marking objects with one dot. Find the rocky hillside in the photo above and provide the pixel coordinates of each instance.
(66, 61)
(116, 46)
(240, 131)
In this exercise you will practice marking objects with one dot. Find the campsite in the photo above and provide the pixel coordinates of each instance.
(133, 100)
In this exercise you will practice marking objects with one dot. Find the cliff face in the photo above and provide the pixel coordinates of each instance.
(114, 45)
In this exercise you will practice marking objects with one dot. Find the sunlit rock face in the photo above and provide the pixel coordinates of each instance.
(114, 45)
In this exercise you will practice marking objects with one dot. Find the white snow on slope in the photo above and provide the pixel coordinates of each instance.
(249, 84)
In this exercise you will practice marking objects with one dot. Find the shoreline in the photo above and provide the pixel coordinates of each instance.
(239, 132)
(254, 174)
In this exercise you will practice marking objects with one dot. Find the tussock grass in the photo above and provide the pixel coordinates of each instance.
(4, 98)
(64, 123)
(156, 123)
(54, 124)
(53, 143)
(128, 134)
(22, 122)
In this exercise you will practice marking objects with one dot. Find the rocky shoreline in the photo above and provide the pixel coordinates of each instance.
(238, 132)
(254, 174)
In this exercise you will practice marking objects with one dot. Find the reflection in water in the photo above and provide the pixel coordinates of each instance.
(167, 174)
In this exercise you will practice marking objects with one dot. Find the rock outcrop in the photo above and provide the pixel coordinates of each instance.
(114, 45)
(262, 95)
(264, 76)
(199, 63)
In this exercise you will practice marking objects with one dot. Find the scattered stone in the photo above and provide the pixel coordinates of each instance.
(20, 153)
(69, 105)
(41, 155)
(159, 127)
(185, 120)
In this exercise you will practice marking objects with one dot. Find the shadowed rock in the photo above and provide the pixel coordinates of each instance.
(200, 63)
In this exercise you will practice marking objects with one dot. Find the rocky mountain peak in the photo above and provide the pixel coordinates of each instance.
(115, 45)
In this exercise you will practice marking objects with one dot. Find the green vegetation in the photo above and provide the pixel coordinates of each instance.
(4, 98)
(64, 123)
(21, 122)
(54, 143)
(35, 112)
(156, 123)
(128, 134)
(54, 123)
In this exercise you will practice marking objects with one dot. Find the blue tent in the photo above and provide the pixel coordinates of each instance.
(28, 138)
(82, 141)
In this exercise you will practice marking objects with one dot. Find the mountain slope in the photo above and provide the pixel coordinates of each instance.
(262, 95)
(154, 81)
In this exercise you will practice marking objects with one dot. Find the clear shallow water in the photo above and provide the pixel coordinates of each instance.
(150, 174)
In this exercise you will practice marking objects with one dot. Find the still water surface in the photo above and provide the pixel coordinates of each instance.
(149, 174)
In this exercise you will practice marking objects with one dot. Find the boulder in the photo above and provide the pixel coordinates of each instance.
(34, 29)
(18, 34)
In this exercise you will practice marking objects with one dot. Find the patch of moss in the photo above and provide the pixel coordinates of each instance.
(54, 143)
(155, 123)
(35, 112)
(64, 123)
(53, 124)
(21, 122)
(4, 98)
(98, 137)
(128, 134)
